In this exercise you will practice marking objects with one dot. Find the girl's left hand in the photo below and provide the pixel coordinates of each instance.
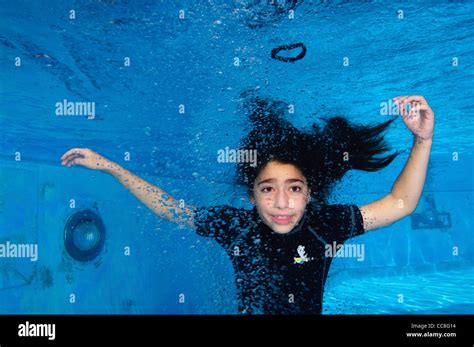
(419, 117)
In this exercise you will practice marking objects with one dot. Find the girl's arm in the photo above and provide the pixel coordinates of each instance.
(407, 189)
(161, 203)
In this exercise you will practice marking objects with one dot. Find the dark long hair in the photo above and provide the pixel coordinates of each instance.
(323, 155)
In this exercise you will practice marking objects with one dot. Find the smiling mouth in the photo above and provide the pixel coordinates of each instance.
(282, 219)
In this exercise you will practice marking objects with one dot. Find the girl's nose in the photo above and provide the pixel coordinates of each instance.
(281, 200)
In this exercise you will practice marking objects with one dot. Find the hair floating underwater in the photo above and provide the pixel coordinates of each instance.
(289, 47)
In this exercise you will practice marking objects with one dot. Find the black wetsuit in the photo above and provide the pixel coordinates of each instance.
(273, 274)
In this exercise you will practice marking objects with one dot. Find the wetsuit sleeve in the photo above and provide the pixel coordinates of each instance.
(217, 222)
(340, 222)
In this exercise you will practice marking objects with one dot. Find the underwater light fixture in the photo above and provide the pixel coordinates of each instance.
(84, 235)
(429, 217)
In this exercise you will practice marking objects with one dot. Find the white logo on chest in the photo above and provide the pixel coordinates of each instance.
(302, 256)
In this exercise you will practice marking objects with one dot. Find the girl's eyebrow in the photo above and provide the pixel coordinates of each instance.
(292, 180)
(268, 180)
(271, 180)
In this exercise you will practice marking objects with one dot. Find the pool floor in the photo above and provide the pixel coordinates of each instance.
(450, 292)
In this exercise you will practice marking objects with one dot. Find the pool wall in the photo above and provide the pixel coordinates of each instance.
(153, 266)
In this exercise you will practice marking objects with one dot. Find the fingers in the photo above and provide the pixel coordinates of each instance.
(71, 151)
(416, 102)
(402, 105)
(76, 161)
(75, 152)
(400, 102)
(66, 161)
(418, 98)
(80, 151)
(68, 157)
(415, 99)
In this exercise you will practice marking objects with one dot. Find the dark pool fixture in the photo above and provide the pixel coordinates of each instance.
(430, 217)
(84, 235)
(277, 50)
(260, 13)
(283, 6)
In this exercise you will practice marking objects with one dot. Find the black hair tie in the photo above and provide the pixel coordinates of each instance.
(277, 50)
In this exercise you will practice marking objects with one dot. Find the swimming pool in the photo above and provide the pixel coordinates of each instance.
(165, 80)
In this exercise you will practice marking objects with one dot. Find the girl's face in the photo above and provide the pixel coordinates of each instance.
(281, 194)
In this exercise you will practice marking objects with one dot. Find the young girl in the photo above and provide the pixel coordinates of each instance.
(278, 248)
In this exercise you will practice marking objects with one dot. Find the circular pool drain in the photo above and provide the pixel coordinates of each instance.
(84, 235)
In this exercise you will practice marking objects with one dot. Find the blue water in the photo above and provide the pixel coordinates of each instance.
(147, 264)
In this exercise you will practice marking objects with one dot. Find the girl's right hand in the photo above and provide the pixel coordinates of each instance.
(87, 158)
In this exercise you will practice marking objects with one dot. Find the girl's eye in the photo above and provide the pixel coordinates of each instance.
(266, 190)
(296, 189)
